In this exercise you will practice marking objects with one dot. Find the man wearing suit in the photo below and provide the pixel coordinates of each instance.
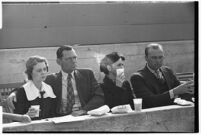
(76, 90)
(156, 84)
(87, 93)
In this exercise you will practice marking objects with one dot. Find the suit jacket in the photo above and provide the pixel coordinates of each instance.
(115, 95)
(145, 85)
(90, 94)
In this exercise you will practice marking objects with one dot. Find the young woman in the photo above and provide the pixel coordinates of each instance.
(35, 92)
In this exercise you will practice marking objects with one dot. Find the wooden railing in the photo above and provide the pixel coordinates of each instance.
(172, 118)
(5, 89)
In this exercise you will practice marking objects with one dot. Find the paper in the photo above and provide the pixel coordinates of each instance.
(99, 111)
(121, 109)
(182, 102)
(68, 118)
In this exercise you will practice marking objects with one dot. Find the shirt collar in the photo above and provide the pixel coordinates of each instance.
(32, 92)
(65, 75)
(151, 70)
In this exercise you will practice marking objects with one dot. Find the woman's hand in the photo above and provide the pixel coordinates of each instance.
(33, 112)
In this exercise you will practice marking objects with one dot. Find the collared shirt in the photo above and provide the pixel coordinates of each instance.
(77, 104)
(154, 72)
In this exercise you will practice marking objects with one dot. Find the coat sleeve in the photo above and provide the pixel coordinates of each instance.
(175, 83)
(150, 99)
(97, 95)
(22, 105)
(128, 94)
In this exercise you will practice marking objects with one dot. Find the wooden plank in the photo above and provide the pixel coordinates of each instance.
(11, 85)
(54, 36)
(162, 119)
(39, 25)
(38, 15)
(179, 55)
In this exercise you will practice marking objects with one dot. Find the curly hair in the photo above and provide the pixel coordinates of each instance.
(109, 59)
(31, 62)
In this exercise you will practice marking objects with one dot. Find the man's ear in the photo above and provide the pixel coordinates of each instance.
(109, 68)
(146, 58)
(58, 61)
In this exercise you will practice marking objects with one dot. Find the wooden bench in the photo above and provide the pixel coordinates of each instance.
(5, 90)
(185, 76)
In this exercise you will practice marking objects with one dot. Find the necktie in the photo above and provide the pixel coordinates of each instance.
(42, 93)
(159, 76)
(70, 95)
(41, 103)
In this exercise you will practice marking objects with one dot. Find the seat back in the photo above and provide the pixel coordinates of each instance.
(5, 90)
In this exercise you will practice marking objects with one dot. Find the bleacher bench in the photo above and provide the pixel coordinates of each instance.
(5, 90)
(185, 76)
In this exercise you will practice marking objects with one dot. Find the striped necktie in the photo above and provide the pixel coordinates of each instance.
(70, 94)
(159, 76)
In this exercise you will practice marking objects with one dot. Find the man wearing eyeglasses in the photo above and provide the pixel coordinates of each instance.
(156, 84)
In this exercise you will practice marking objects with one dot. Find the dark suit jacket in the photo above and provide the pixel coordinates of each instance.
(145, 86)
(90, 94)
(115, 95)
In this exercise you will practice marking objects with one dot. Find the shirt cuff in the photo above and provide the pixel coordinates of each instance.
(171, 94)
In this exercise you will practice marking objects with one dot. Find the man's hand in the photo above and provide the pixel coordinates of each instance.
(11, 98)
(79, 113)
(187, 87)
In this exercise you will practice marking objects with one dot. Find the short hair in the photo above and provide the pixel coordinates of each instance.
(61, 49)
(153, 46)
(31, 62)
(109, 59)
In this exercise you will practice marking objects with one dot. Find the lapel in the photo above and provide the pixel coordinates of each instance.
(151, 80)
(58, 87)
(166, 76)
(79, 82)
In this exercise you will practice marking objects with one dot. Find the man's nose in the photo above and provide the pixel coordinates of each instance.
(74, 60)
(44, 71)
(122, 66)
(158, 59)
